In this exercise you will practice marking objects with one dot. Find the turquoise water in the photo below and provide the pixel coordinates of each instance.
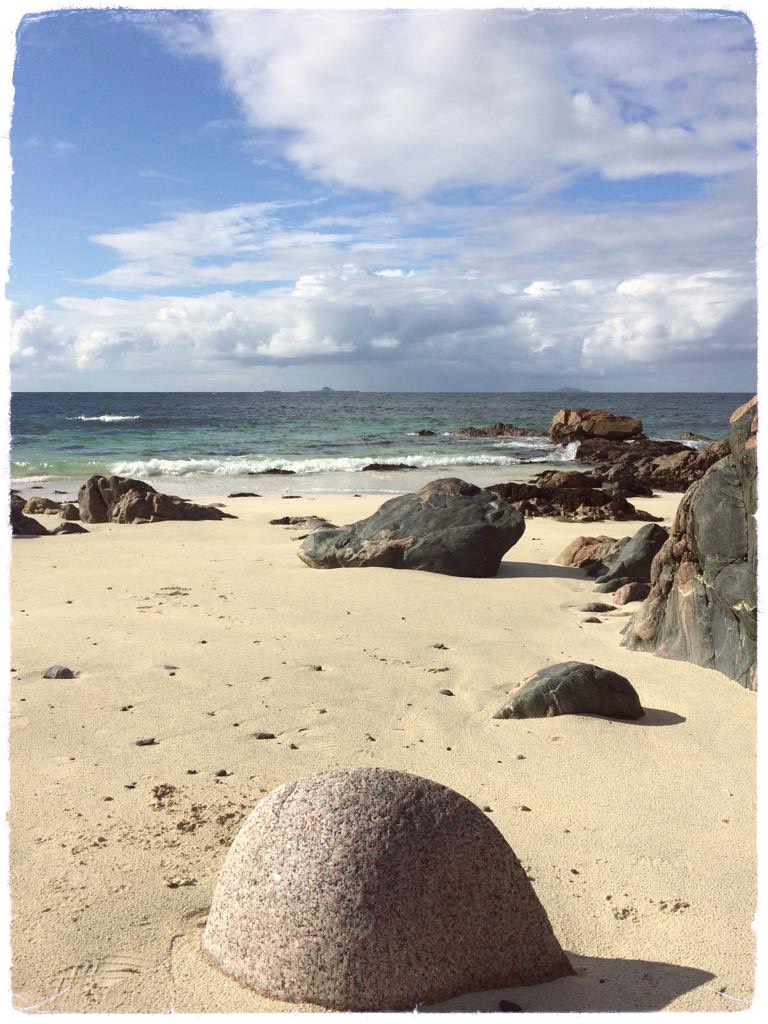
(202, 441)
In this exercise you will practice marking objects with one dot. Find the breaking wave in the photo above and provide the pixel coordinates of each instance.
(305, 467)
(106, 418)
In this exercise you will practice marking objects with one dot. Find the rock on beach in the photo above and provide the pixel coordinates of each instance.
(448, 526)
(374, 889)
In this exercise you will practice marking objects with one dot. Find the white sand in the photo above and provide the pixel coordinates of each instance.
(640, 837)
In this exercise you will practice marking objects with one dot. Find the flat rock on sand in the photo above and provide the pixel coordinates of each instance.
(448, 526)
(373, 889)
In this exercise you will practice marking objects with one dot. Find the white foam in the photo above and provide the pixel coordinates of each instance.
(106, 418)
(302, 467)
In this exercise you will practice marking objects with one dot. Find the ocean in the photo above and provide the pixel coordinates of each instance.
(210, 443)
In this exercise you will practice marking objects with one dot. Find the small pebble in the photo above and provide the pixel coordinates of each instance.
(263, 735)
(524, 808)
(521, 757)
(447, 693)
(151, 742)
(58, 672)
(222, 773)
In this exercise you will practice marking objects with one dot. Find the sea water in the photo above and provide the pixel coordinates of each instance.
(210, 443)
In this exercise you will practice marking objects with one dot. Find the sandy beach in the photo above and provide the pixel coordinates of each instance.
(638, 837)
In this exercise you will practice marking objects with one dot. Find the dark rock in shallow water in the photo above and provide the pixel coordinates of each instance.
(425, 433)
(21, 525)
(58, 672)
(448, 527)
(576, 424)
(244, 494)
(372, 889)
(498, 430)
(118, 499)
(702, 605)
(383, 467)
(272, 472)
(65, 528)
(573, 688)
(687, 435)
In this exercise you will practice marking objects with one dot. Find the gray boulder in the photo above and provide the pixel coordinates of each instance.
(118, 499)
(573, 688)
(373, 889)
(448, 526)
(702, 605)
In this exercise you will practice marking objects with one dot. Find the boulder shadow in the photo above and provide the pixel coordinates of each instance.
(599, 985)
(538, 571)
(656, 716)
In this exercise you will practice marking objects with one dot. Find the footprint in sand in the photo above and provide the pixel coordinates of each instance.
(92, 977)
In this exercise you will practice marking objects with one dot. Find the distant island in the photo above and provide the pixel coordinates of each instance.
(570, 391)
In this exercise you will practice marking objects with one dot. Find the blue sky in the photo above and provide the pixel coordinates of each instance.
(410, 200)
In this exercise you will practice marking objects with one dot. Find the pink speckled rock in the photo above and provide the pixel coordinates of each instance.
(373, 889)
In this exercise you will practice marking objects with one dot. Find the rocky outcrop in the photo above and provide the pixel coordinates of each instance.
(702, 606)
(372, 889)
(385, 467)
(688, 435)
(573, 688)
(572, 503)
(68, 527)
(577, 424)
(448, 526)
(661, 465)
(21, 525)
(118, 499)
(497, 430)
(425, 433)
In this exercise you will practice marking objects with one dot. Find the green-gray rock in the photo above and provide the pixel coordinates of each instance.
(573, 688)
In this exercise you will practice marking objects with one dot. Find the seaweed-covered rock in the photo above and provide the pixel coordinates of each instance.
(373, 889)
(118, 499)
(448, 526)
(573, 688)
(702, 605)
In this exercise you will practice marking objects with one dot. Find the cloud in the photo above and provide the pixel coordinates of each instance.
(410, 101)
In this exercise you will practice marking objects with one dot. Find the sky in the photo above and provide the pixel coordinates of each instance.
(412, 200)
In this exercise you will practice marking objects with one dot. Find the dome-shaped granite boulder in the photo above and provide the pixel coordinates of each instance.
(373, 889)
